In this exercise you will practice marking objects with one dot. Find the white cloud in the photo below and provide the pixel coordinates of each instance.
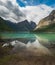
(5, 1)
(36, 13)
(10, 10)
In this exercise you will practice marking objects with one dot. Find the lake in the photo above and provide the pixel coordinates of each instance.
(37, 44)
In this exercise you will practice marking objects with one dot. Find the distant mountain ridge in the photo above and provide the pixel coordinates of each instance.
(6, 25)
(47, 24)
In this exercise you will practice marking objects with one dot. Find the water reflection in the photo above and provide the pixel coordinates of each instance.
(34, 44)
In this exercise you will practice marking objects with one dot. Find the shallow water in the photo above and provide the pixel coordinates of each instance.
(37, 44)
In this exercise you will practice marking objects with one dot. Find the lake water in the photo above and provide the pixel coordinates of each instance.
(30, 43)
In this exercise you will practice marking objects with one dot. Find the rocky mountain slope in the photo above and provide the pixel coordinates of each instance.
(47, 24)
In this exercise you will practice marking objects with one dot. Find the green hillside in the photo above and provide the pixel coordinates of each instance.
(4, 26)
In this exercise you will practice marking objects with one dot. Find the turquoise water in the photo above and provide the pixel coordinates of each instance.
(49, 36)
(17, 35)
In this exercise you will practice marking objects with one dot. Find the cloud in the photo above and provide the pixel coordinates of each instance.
(11, 10)
(36, 13)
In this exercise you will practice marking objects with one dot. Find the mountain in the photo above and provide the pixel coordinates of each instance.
(6, 25)
(26, 26)
(47, 24)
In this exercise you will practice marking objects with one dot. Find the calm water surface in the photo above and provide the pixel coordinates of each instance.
(38, 44)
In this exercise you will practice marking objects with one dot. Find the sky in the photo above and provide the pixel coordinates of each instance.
(24, 3)
(20, 10)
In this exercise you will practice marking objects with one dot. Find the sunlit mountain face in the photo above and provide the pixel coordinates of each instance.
(20, 10)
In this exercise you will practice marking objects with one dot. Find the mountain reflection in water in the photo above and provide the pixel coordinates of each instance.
(38, 44)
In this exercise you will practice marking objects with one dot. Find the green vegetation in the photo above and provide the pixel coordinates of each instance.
(3, 26)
